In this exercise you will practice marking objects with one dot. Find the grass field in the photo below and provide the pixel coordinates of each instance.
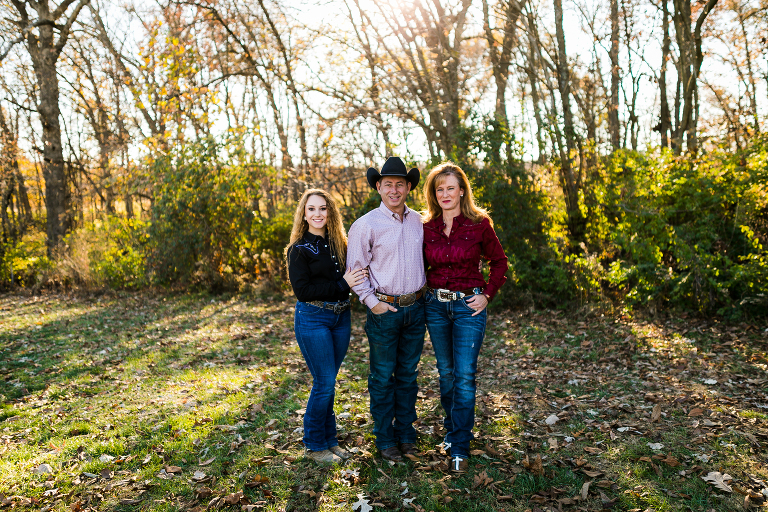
(193, 402)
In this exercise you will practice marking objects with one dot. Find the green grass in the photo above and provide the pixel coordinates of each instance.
(117, 393)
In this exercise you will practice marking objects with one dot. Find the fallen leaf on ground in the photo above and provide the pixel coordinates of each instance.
(43, 469)
(234, 498)
(535, 466)
(585, 490)
(656, 413)
(361, 504)
(718, 480)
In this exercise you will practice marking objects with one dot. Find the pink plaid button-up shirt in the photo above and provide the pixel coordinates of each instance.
(392, 251)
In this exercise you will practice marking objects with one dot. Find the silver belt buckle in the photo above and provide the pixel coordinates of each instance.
(444, 295)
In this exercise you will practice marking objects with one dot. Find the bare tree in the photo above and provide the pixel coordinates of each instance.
(613, 105)
(689, 66)
(570, 178)
(665, 121)
(15, 217)
(500, 53)
(425, 47)
(45, 37)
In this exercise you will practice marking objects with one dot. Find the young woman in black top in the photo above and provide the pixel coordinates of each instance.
(316, 256)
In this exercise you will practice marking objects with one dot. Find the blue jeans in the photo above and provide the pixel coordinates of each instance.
(323, 338)
(456, 337)
(396, 340)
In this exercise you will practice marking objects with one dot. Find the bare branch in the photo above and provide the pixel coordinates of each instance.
(64, 31)
(13, 43)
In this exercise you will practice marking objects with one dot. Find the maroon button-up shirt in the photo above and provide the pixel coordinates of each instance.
(452, 261)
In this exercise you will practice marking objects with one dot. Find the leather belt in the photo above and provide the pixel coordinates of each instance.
(447, 295)
(404, 300)
(336, 307)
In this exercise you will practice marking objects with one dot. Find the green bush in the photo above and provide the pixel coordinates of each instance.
(682, 232)
(203, 229)
(23, 261)
(120, 262)
(519, 209)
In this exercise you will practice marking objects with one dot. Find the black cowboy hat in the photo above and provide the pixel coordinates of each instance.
(393, 167)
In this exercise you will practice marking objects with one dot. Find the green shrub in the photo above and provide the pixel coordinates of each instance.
(682, 232)
(120, 262)
(203, 228)
(519, 209)
(23, 261)
(106, 253)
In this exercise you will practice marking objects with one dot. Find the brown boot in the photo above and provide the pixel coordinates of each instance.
(323, 456)
(393, 454)
(458, 465)
(340, 452)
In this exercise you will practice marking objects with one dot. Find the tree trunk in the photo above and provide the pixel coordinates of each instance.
(531, 70)
(570, 181)
(44, 50)
(751, 82)
(665, 123)
(500, 62)
(10, 160)
(613, 106)
(690, 60)
(57, 196)
(291, 87)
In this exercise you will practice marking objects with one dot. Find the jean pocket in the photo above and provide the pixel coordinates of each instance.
(463, 301)
(429, 297)
(307, 309)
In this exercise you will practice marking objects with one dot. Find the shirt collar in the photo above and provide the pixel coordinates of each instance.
(309, 237)
(460, 220)
(389, 213)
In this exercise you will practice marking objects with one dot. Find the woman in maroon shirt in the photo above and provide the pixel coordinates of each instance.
(457, 234)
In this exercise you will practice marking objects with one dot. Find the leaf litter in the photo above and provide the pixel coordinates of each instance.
(549, 406)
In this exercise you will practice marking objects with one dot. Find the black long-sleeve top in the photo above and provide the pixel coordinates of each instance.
(315, 272)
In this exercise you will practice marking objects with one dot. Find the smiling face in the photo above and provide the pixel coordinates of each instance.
(393, 191)
(448, 193)
(316, 215)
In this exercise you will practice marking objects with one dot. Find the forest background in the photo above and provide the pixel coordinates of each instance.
(619, 144)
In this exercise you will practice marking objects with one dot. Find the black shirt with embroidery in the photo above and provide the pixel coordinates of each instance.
(315, 272)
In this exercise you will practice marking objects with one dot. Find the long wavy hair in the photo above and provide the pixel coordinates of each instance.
(334, 228)
(467, 202)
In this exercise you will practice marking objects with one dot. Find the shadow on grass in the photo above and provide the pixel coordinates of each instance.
(159, 384)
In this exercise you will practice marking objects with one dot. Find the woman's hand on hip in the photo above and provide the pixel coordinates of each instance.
(478, 302)
(355, 277)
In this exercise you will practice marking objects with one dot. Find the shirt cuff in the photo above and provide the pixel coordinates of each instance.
(490, 292)
(342, 283)
(371, 301)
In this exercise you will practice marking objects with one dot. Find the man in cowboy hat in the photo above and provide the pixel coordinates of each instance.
(388, 241)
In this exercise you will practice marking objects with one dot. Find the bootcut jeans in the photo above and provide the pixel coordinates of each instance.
(456, 338)
(396, 339)
(323, 337)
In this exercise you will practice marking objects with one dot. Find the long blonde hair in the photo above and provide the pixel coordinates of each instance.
(334, 228)
(467, 202)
